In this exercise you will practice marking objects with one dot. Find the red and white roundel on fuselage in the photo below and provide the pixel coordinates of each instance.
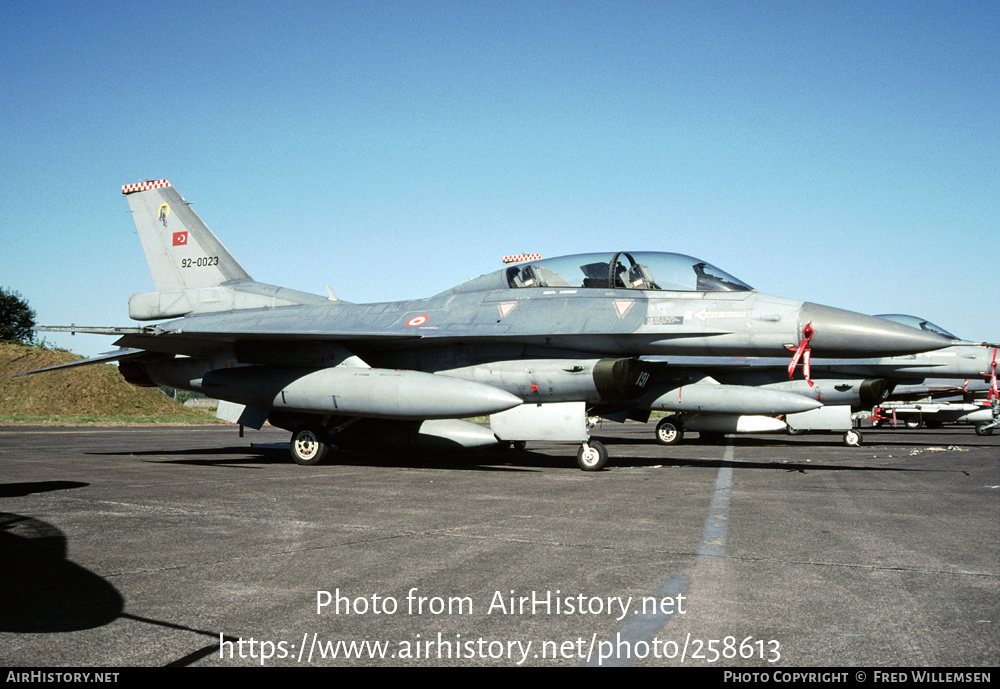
(417, 320)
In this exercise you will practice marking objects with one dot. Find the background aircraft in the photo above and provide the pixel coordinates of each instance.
(851, 384)
(934, 414)
(934, 402)
(534, 346)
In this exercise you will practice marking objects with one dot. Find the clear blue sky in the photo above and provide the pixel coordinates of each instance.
(846, 153)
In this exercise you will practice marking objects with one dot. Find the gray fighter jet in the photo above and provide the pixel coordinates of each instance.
(841, 385)
(932, 412)
(534, 346)
(936, 401)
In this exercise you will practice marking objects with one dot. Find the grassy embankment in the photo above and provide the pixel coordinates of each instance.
(87, 394)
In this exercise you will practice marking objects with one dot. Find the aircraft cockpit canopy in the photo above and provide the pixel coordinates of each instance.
(918, 323)
(625, 270)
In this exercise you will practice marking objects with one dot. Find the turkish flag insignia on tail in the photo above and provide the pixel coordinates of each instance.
(180, 238)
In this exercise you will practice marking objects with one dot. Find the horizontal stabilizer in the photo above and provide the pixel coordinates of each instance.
(105, 358)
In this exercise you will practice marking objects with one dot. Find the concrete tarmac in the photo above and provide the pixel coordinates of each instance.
(188, 546)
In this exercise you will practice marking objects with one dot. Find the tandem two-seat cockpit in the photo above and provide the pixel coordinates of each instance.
(918, 323)
(625, 270)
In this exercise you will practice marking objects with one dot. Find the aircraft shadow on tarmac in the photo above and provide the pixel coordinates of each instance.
(19, 490)
(681, 460)
(277, 454)
(872, 439)
(42, 592)
(509, 460)
(225, 457)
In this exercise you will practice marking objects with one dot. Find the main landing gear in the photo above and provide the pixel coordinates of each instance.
(669, 431)
(987, 427)
(309, 446)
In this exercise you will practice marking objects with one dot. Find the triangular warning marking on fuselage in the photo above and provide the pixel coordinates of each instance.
(506, 307)
(623, 306)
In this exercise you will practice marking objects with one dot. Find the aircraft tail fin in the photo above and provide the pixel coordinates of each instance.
(192, 271)
(181, 251)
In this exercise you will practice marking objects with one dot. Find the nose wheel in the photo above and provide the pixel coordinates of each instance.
(852, 438)
(592, 456)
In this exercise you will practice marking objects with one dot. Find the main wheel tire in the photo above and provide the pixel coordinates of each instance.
(592, 456)
(852, 438)
(309, 447)
(669, 431)
(984, 429)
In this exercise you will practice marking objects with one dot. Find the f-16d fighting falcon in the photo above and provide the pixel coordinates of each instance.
(537, 346)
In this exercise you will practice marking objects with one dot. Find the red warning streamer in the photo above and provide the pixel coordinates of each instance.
(803, 352)
(994, 393)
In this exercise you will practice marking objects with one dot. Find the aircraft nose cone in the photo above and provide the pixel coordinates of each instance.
(838, 332)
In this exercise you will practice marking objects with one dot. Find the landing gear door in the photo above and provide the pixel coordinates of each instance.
(554, 421)
(251, 417)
